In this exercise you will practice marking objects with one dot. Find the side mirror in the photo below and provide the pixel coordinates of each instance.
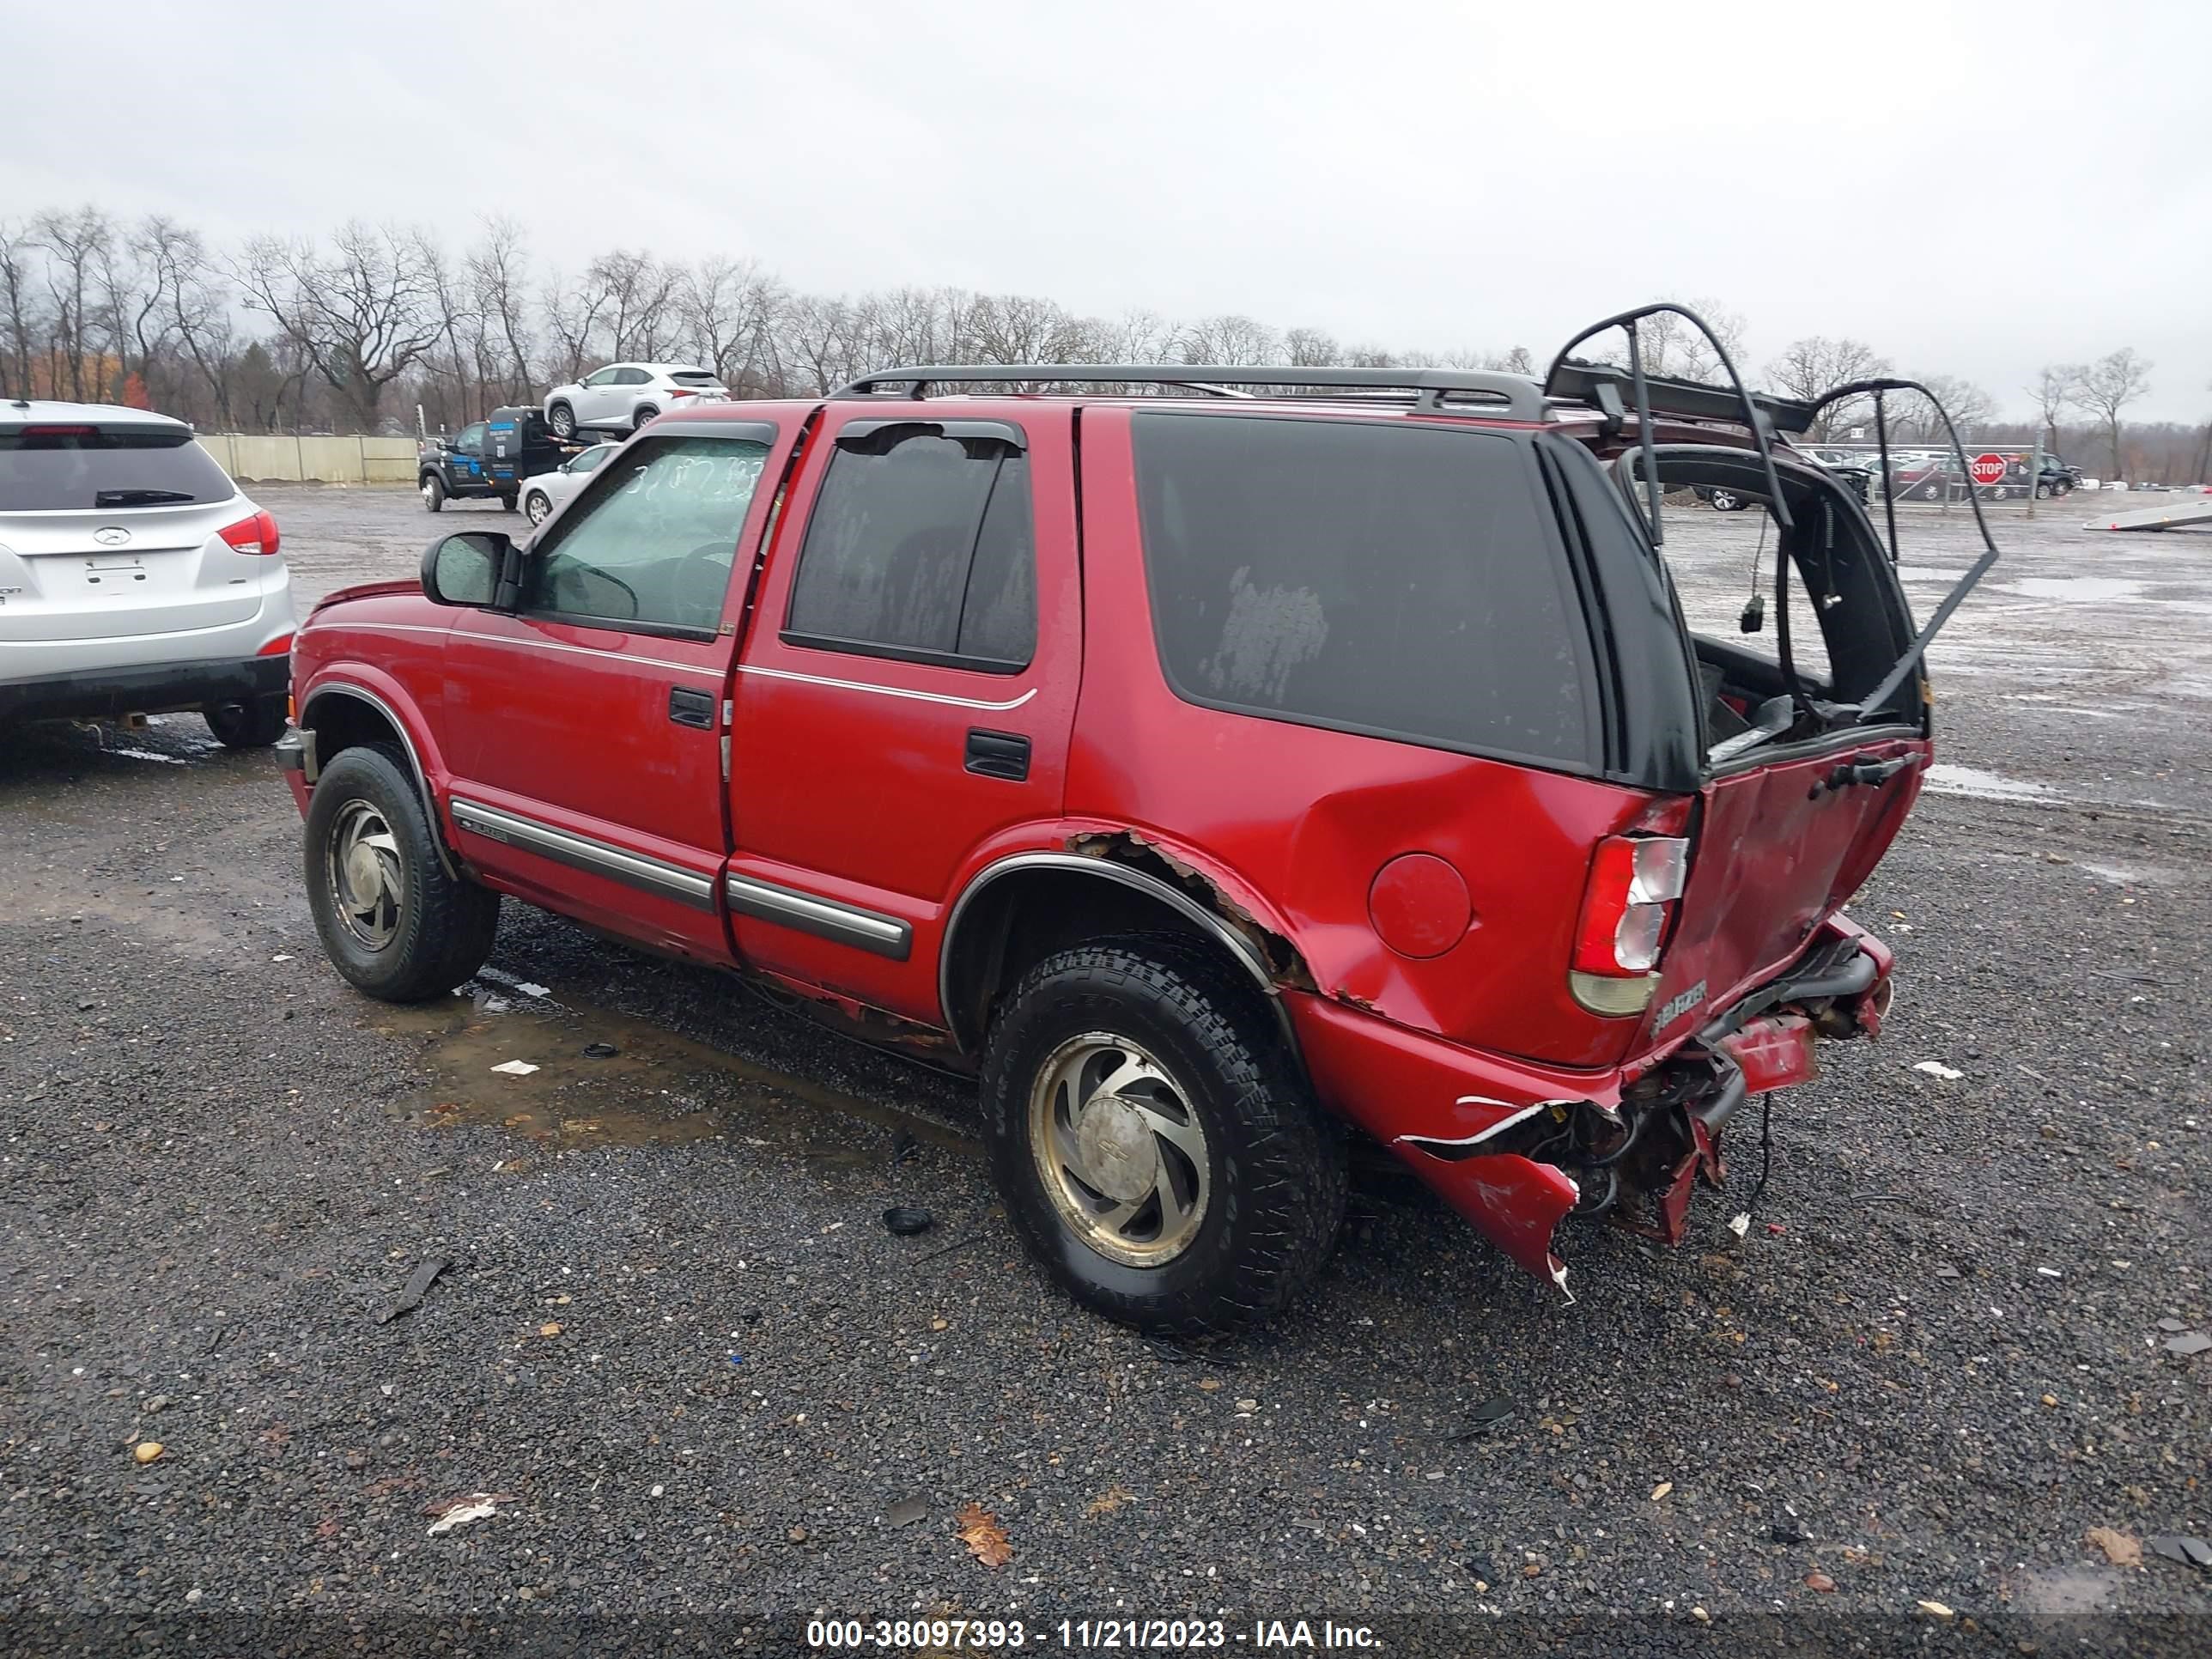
(477, 568)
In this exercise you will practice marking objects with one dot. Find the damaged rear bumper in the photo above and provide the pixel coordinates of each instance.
(1517, 1148)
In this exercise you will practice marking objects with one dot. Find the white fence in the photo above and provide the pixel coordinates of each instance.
(264, 457)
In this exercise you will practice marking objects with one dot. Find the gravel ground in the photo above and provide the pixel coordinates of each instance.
(675, 1343)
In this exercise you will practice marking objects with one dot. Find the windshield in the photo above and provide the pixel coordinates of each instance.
(63, 468)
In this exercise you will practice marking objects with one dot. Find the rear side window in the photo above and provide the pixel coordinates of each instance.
(59, 468)
(922, 547)
(1370, 577)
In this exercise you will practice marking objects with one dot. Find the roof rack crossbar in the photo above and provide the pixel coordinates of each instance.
(1515, 396)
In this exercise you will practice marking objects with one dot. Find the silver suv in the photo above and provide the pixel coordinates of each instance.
(134, 577)
(623, 396)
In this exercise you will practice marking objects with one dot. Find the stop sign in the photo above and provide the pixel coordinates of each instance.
(1987, 469)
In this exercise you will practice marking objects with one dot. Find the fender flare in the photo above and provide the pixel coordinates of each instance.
(1239, 947)
(359, 693)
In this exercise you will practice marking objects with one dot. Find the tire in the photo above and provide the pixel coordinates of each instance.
(2043, 492)
(1256, 1168)
(562, 420)
(434, 492)
(253, 724)
(644, 412)
(1726, 500)
(400, 928)
(536, 507)
(507, 503)
(1928, 493)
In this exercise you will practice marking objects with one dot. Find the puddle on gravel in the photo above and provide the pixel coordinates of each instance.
(1944, 778)
(2089, 589)
(657, 1089)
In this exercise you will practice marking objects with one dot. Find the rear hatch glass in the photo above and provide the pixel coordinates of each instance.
(1393, 580)
(694, 377)
(69, 467)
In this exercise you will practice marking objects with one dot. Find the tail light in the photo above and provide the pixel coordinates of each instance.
(1635, 883)
(278, 646)
(255, 535)
(680, 392)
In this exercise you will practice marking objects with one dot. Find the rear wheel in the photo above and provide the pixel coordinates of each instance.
(507, 503)
(536, 507)
(393, 923)
(434, 492)
(1727, 500)
(253, 724)
(1156, 1144)
(562, 420)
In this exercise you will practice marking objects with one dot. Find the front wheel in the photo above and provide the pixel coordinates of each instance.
(644, 412)
(1727, 500)
(434, 492)
(393, 923)
(1156, 1144)
(562, 420)
(253, 724)
(536, 507)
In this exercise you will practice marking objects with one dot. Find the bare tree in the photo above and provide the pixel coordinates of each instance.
(498, 281)
(1810, 369)
(362, 316)
(77, 244)
(1236, 341)
(1913, 419)
(17, 309)
(2053, 392)
(2107, 386)
(727, 306)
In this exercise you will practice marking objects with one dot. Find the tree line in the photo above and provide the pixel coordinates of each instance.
(355, 330)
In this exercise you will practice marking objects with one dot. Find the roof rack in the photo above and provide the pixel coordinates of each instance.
(1578, 381)
(1517, 394)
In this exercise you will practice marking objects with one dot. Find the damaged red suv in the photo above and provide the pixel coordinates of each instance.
(1217, 775)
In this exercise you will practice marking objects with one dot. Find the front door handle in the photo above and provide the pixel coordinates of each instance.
(688, 707)
(999, 755)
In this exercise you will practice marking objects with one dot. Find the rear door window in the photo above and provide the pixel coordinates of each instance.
(59, 468)
(1375, 577)
(922, 547)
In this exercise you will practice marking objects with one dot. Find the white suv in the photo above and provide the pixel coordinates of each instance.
(134, 577)
(623, 396)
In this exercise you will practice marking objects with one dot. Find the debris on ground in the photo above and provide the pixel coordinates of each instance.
(2172, 1325)
(516, 1067)
(550, 1329)
(1937, 1068)
(1934, 1610)
(907, 1510)
(147, 1450)
(1662, 1489)
(2187, 1343)
(418, 1284)
(1946, 1271)
(2120, 1549)
(1114, 1497)
(1739, 1223)
(905, 1147)
(1817, 1580)
(600, 1051)
(904, 1223)
(469, 1506)
(2191, 1552)
(985, 1538)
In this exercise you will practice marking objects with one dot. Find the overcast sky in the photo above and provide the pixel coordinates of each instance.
(1974, 190)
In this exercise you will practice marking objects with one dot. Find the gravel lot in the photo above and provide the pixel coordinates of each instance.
(677, 1343)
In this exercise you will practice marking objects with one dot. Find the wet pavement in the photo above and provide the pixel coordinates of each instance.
(677, 1342)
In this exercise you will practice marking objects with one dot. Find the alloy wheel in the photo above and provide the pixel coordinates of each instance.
(1119, 1148)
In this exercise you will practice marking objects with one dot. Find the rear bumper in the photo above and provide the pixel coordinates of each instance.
(144, 689)
(1516, 1148)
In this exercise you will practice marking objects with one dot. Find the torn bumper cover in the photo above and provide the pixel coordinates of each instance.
(1516, 1148)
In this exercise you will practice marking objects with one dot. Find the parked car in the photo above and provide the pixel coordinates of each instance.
(135, 577)
(547, 490)
(1488, 859)
(2058, 478)
(623, 396)
(488, 460)
(1722, 500)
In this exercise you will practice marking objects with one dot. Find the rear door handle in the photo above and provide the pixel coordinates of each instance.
(999, 755)
(688, 707)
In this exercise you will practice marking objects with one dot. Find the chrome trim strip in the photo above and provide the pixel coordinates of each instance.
(348, 689)
(886, 691)
(594, 857)
(606, 655)
(1239, 946)
(846, 924)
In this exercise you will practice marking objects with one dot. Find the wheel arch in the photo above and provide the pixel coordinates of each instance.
(1018, 908)
(344, 714)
